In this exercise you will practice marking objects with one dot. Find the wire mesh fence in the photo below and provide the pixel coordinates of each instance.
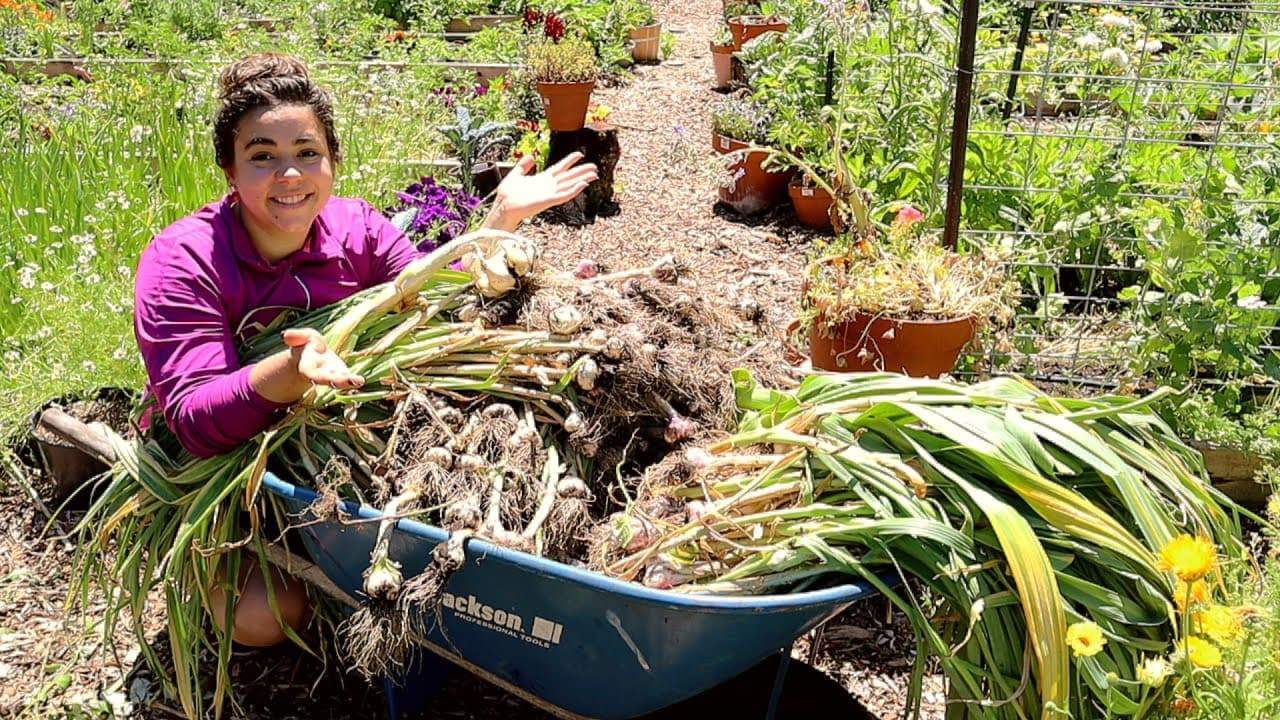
(1128, 151)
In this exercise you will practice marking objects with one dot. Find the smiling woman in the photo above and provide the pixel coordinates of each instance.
(279, 240)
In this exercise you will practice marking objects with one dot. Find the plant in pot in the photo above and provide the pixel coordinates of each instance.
(470, 137)
(740, 132)
(565, 72)
(644, 30)
(749, 20)
(894, 299)
(722, 56)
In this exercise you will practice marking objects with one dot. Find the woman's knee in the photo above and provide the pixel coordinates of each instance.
(254, 623)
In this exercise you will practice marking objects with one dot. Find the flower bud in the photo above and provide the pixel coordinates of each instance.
(574, 423)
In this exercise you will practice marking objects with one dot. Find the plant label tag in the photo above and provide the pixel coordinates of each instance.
(807, 192)
(724, 143)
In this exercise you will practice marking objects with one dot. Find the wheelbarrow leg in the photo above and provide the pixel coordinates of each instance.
(779, 680)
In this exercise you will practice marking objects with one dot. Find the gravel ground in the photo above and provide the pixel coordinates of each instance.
(666, 189)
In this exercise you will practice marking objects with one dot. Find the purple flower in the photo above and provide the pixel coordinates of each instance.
(440, 214)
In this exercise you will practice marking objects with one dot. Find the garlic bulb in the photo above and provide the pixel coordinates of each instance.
(565, 320)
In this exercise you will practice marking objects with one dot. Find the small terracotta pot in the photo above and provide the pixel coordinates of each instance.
(645, 42)
(566, 104)
(812, 204)
(754, 190)
(919, 348)
(745, 27)
(722, 57)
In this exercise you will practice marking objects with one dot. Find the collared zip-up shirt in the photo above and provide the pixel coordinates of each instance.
(202, 287)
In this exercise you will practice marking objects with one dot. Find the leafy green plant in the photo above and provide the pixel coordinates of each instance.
(470, 137)
(742, 119)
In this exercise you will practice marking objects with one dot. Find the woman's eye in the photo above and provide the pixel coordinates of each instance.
(260, 157)
(309, 153)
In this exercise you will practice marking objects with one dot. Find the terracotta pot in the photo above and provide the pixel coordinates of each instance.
(745, 27)
(919, 348)
(722, 57)
(645, 43)
(754, 190)
(566, 104)
(812, 204)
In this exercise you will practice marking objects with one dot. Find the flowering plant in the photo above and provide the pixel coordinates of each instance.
(432, 214)
(567, 60)
(904, 272)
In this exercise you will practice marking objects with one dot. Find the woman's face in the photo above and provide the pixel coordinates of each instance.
(283, 174)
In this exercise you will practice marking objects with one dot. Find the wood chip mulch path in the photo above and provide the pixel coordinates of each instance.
(666, 186)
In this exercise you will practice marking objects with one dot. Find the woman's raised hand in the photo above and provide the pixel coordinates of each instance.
(521, 196)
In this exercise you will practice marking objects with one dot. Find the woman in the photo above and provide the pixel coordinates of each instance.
(278, 240)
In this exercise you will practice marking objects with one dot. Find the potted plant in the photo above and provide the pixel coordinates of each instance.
(722, 56)
(565, 72)
(896, 300)
(740, 131)
(470, 137)
(746, 21)
(645, 32)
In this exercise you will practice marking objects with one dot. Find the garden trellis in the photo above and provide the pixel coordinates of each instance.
(1127, 151)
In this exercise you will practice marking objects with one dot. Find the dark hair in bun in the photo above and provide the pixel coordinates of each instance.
(267, 80)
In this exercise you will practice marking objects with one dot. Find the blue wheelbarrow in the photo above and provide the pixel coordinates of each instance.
(575, 643)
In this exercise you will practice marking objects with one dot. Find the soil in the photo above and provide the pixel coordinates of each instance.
(52, 662)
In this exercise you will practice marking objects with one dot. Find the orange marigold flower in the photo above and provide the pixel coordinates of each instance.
(1188, 557)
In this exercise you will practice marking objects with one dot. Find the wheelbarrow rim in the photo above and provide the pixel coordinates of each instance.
(853, 589)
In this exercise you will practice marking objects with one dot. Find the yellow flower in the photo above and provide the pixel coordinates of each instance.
(1197, 592)
(1264, 127)
(1085, 638)
(1202, 653)
(1153, 671)
(1220, 623)
(1188, 557)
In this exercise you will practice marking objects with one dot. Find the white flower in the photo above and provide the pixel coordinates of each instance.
(89, 365)
(1251, 302)
(41, 211)
(1088, 41)
(21, 212)
(27, 276)
(137, 133)
(55, 228)
(47, 286)
(1149, 46)
(1115, 57)
(1115, 20)
(923, 8)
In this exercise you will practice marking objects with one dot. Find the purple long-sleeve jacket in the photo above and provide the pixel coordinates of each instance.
(201, 286)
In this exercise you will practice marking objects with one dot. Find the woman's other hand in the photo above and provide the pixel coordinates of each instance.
(315, 362)
(521, 196)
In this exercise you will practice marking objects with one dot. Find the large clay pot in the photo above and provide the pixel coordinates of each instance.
(566, 104)
(722, 57)
(753, 189)
(746, 27)
(919, 348)
(812, 204)
(645, 42)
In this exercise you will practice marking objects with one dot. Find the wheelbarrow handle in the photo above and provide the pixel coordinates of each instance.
(86, 438)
